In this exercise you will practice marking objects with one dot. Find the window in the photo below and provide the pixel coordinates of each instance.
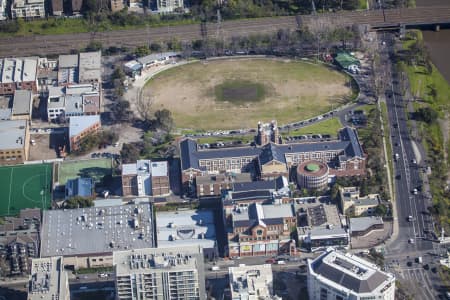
(259, 232)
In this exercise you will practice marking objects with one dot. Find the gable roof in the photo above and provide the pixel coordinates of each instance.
(348, 145)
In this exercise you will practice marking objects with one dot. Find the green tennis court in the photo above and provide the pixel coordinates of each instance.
(25, 186)
(94, 168)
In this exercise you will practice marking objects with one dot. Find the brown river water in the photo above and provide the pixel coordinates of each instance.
(438, 43)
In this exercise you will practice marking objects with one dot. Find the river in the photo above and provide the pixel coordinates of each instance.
(438, 43)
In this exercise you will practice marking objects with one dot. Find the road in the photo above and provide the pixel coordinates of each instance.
(413, 238)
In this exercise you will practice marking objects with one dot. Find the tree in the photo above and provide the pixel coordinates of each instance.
(118, 74)
(155, 47)
(129, 153)
(79, 202)
(380, 210)
(334, 194)
(144, 108)
(426, 114)
(142, 51)
(121, 110)
(94, 46)
(164, 119)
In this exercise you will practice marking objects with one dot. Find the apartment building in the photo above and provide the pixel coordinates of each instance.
(3, 12)
(145, 178)
(251, 282)
(28, 9)
(18, 74)
(48, 279)
(168, 6)
(164, 273)
(261, 230)
(14, 142)
(19, 241)
(338, 276)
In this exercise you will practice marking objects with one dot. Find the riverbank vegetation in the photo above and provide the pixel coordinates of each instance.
(430, 92)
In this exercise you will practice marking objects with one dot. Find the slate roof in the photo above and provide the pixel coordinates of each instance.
(262, 215)
(271, 152)
(349, 273)
(348, 144)
(251, 195)
(255, 185)
(354, 147)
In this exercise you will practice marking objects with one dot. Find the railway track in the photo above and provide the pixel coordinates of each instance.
(55, 44)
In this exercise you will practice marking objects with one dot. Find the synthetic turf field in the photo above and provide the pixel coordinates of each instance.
(95, 168)
(25, 186)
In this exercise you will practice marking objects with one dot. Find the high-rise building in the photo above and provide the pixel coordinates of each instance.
(159, 274)
(48, 280)
(338, 276)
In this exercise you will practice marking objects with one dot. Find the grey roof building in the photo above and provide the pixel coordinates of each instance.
(155, 58)
(71, 232)
(187, 228)
(22, 104)
(335, 275)
(363, 225)
(344, 156)
(83, 187)
(90, 67)
(320, 225)
(14, 141)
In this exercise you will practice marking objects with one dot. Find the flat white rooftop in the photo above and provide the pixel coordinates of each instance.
(12, 134)
(251, 282)
(96, 230)
(184, 228)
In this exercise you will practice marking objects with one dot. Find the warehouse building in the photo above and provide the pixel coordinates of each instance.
(70, 233)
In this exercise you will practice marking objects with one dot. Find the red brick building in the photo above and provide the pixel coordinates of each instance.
(80, 127)
(261, 230)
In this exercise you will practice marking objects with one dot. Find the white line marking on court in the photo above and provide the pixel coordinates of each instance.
(10, 189)
(23, 188)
